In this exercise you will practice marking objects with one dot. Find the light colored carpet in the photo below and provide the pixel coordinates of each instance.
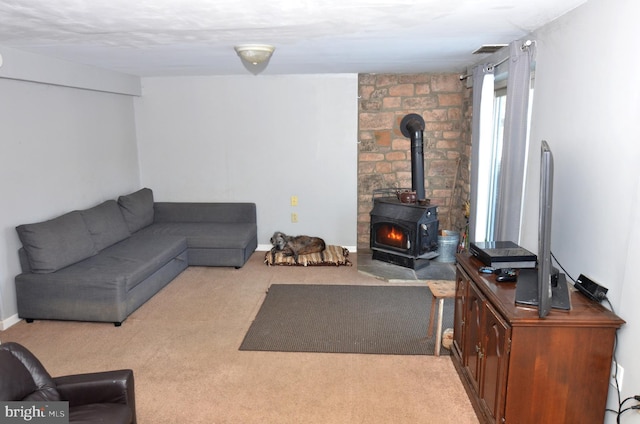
(183, 347)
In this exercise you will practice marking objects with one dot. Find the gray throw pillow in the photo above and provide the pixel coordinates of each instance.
(56, 243)
(105, 224)
(137, 209)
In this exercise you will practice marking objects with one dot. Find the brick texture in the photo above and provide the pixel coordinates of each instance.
(384, 156)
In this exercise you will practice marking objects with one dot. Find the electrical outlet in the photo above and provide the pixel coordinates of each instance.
(294, 217)
(617, 373)
(294, 200)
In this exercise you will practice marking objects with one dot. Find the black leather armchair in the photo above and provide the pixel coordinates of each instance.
(107, 397)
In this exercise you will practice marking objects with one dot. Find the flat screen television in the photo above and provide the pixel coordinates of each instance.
(544, 286)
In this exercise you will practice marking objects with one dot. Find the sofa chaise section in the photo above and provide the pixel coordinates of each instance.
(218, 234)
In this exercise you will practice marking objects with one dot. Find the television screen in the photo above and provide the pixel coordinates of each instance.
(544, 287)
(544, 231)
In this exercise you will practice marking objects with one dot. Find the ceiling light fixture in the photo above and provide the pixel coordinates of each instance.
(255, 54)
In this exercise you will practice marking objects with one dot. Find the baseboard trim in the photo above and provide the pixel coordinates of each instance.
(267, 247)
(11, 321)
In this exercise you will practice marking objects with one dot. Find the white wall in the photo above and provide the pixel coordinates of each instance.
(587, 106)
(24, 66)
(256, 139)
(62, 149)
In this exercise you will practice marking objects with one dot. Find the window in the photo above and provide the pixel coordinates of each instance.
(495, 147)
(499, 147)
(491, 155)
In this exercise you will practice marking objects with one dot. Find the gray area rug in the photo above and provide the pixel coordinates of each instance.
(346, 319)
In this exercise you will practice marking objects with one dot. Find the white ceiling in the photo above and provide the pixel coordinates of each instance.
(196, 37)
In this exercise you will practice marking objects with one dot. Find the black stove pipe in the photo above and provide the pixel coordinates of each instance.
(412, 126)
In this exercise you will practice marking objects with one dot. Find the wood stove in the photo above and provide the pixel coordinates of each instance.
(406, 234)
(403, 234)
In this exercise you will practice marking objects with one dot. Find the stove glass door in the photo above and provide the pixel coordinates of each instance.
(391, 235)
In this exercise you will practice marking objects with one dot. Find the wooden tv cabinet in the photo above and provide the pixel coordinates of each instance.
(518, 368)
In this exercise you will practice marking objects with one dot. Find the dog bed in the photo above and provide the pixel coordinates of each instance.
(333, 255)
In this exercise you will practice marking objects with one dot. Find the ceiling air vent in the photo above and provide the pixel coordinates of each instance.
(489, 48)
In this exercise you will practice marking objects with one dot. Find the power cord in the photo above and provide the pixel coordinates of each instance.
(561, 267)
(621, 408)
(636, 397)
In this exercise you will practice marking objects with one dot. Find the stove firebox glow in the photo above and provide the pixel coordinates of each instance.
(391, 235)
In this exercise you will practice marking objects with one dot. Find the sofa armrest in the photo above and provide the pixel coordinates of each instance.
(99, 387)
(24, 260)
(226, 213)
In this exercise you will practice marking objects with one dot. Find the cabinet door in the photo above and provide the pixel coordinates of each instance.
(496, 347)
(473, 335)
(462, 282)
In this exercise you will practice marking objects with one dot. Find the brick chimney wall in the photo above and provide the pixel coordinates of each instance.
(384, 155)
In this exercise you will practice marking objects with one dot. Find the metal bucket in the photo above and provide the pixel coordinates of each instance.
(447, 246)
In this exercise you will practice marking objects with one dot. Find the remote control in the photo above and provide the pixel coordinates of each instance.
(507, 275)
(486, 270)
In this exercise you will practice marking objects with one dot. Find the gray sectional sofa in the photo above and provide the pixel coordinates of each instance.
(102, 263)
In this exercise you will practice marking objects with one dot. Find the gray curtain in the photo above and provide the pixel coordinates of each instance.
(514, 149)
(478, 75)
